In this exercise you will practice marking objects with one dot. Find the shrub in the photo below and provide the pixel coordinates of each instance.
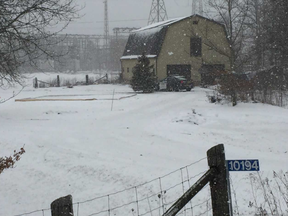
(8, 162)
(237, 87)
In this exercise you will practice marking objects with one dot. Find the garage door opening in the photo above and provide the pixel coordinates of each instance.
(182, 70)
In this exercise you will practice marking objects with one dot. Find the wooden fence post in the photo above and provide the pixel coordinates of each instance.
(62, 206)
(87, 79)
(58, 81)
(219, 186)
(35, 82)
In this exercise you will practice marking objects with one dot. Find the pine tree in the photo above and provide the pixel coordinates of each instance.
(143, 78)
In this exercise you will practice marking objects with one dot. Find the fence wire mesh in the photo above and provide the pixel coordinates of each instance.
(150, 198)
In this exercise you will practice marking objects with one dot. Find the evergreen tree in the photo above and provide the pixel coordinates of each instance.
(143, 78)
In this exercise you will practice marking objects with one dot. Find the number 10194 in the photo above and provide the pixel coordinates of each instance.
(243, 165)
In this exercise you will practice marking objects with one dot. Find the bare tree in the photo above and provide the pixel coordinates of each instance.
(232, 14)
(254, 22)
(25, 35)
(259, 25)
(267, 33)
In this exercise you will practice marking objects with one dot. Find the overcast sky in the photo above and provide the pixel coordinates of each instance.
(122, 13)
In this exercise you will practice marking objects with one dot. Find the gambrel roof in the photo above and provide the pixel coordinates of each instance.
(149, 39)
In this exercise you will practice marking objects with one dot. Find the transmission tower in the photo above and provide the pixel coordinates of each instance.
(106, 23)
(200, 7)
(158, 12)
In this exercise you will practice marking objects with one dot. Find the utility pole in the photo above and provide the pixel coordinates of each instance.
(200, 7)
(158, 12)
(106, 31)
(106, 23)
(193, 7)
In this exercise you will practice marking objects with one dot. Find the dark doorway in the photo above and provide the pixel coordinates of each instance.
(182, 70)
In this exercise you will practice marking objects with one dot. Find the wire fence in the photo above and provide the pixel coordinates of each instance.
(70, 80)
(150, 198)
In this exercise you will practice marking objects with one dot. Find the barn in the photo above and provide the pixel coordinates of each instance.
(185, 46)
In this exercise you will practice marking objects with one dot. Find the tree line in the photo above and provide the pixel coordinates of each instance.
(257, 32)
(26, 33)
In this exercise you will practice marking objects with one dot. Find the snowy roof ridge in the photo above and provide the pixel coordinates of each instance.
(137, 56)
(160, 24)
(171, 21)
(149, 39)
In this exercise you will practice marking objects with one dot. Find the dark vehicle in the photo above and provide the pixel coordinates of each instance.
(174, 83)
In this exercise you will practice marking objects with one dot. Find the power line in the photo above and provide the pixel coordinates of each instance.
(102, 21)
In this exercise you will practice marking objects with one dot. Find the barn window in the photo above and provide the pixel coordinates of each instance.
(195, 46)
(128, 70)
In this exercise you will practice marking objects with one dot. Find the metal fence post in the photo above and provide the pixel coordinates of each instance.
(219, 186)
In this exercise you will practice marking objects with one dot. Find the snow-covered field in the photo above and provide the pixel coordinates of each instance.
(93, 148)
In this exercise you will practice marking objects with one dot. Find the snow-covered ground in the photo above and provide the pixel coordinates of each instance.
(93, 148)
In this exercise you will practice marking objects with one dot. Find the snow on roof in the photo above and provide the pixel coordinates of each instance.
(137, 56)
(148, 39)
(157, 26)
